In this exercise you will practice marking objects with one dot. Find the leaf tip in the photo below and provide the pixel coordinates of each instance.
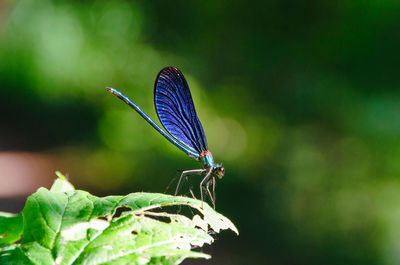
(61, 184)
(60, 175)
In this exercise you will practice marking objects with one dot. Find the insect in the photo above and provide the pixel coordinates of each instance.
(176, 112)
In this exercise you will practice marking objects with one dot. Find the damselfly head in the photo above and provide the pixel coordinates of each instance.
(220, 171)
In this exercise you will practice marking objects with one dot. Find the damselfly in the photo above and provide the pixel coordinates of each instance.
(175, 110)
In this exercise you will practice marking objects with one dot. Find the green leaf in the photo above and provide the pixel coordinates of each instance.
(13, 255)
(67, 226)
(10, 228)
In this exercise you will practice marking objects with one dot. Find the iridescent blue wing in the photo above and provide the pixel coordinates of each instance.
(175, 109)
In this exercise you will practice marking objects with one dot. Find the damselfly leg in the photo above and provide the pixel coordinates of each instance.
(205, 179)
(185, 174)
(212, 196)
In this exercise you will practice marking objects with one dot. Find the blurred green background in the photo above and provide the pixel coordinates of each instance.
(300, 102)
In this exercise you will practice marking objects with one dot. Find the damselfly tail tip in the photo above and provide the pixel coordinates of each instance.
(111, 90)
